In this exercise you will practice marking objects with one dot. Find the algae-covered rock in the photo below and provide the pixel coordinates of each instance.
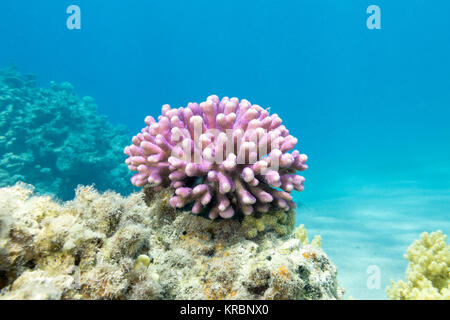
(104, 246)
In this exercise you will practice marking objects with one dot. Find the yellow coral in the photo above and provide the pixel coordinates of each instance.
(279, 221)
(301, 234)
(428, 272)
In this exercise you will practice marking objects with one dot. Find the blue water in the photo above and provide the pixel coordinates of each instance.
(371, 108)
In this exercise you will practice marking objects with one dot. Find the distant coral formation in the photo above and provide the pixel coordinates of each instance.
(105, 246)
(221, 156)
(53, 139)
(428, 273)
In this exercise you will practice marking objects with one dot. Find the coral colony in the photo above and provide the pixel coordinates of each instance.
(427, 275)
(222, 156)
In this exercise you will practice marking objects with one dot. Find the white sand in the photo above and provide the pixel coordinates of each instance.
(374, 226)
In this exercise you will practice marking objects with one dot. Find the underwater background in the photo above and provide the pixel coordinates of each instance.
(371, 108)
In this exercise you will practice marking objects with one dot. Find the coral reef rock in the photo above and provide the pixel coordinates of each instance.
(55, 140)
(105, 246)
(221, 156)
(428, 272)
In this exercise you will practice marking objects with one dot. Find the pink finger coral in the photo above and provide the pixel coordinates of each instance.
(221, 156)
